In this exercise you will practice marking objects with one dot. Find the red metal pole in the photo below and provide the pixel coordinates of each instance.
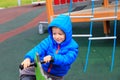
(75, 0)
(68, 1)
(56, 2)
(63, 1)
(81, 0)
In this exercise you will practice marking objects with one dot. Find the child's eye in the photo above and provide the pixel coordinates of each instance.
(60, 34)
(54, 33)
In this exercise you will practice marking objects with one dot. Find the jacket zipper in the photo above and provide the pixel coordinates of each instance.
(58, 48)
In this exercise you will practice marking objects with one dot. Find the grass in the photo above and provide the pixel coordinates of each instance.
(13, 3)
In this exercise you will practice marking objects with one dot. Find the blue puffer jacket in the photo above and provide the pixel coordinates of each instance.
(68, 49)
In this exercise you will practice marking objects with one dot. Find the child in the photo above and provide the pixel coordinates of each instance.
(58, 46)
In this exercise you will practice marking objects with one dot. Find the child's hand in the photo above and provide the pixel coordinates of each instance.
(26, 63)
(47, 58)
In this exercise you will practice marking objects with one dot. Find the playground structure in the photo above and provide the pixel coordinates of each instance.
(85, 15)
(34, 2)
(108, 11)
(38, 2)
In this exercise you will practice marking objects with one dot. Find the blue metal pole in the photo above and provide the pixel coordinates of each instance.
(89, 44)
(115, 28)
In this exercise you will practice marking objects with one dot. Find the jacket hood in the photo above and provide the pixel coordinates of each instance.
(64, 23)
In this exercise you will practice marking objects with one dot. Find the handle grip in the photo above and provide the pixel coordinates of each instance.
(32, 64)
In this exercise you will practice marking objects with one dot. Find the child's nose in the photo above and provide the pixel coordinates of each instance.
(57, 36)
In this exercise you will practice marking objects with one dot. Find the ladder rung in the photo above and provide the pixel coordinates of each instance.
(81, 16)
(90, 16)
(103, 18)
(94, 0)
(100, 38)
(82, 35)
(43, 22)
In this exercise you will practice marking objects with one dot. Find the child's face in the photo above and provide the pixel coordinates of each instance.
(58, 34)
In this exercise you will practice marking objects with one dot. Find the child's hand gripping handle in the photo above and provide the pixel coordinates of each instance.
(32, 64)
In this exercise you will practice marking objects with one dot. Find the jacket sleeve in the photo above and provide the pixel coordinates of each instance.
(41, 48)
